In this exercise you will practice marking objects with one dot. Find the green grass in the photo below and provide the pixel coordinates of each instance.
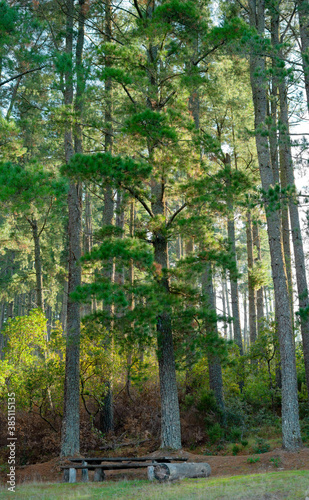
(289, 485)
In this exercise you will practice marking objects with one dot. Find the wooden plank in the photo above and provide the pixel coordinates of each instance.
(107, 466)
(99, 475)
(85, 475)
(128, 459)
(72, 475)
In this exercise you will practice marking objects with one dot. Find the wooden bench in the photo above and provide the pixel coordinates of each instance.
(99, 465)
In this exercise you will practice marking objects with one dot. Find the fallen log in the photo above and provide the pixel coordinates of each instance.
(171, 472)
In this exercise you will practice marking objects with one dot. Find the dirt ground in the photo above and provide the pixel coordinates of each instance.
(274, 460)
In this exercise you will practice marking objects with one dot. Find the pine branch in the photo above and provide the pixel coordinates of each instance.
(21, 74)
(175, 214)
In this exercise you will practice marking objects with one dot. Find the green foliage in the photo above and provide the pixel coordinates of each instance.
(183, 17)
(236, 449)
(261, 446)
(11, 146)
(103, 169)
(276, 461)
(29, 186)
(116, 74)
(152, 125)
(8, 19)
(253, 460)
(32, 368)
(124, 249)
(215, 433)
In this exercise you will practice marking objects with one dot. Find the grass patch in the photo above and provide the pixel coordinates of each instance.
(289, 485)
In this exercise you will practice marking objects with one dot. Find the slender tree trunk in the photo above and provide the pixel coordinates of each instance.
(214, 364)
(38, 265)
(266, 303)
(88, 240)
(107, 413)
(246, 343)
(298, 248)
(233, 279)
(70, 423)
(224, 306)
(228, 308)
(64, 307)
(290, 413)
(284, 209)
(303, 14)
(14, 94)
(131, 280)
(259, 292)
(272, 127)
(251, 290)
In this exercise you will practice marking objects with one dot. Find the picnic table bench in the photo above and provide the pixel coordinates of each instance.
(101, 464)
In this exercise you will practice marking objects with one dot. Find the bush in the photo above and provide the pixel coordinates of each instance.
(261, 446)
(235, 449)
(215, 433)
(234, 434)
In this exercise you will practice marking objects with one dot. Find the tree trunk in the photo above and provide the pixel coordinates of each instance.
(233, 279)
(298, 248)
(284, 207)
(290, 413)
(272, 127)
(170, 417)
(88, 239)
(246, 342)
(70, 423)
(64, 307)
(266, 303)
(259, 292)
(131, 281)
(303, 14)
(228, 308)
(214, 364)
(38, 265)
(251, 290)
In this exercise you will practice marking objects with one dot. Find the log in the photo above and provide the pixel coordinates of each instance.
(171, 472)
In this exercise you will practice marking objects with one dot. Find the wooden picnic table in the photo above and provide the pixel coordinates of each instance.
(99, 460)
(100, 464)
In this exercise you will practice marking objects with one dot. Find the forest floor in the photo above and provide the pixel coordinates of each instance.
(275, 460)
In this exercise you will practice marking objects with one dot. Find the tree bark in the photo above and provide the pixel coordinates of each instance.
(71, 420)
(300, 268)
(170, 416)
(284, 208)
(246, 341)
(214, 364)
(259, 292)
(290, 413)
(38, 265)
(228, 308)
(233, 279)
(224, 306)
(251, 290)
(171, 472)
(106, 412)
(303, 14)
